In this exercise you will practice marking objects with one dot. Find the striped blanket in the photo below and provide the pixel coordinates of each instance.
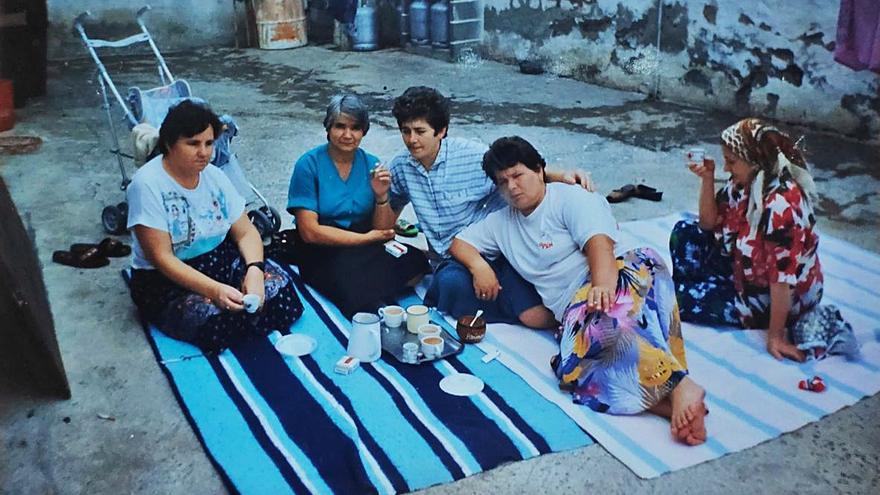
(751, 396)
(278, 425)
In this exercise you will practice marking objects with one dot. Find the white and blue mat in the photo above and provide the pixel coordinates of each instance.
(275, 424)
(751, 396)
(272, 424)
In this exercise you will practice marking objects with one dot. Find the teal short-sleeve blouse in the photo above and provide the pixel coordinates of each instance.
(317, 186)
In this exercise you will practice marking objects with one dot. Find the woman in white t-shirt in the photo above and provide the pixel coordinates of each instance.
(195, 253)
(620, 344)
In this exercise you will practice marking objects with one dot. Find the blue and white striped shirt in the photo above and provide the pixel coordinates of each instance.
(452, 195)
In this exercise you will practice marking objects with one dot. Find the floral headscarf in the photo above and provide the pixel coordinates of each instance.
(771, 151)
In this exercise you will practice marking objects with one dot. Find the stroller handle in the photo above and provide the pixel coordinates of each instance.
(143, 10)
(78, 22)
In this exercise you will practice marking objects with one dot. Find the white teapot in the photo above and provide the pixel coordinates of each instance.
(365, 339)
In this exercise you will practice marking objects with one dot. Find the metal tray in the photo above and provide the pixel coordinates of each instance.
(394, 338)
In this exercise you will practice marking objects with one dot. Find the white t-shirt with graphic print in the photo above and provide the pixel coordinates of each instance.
(196, 219)
(546, 247)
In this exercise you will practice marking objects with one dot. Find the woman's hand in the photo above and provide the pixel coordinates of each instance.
(780, 347)
(227, 298)
(486, 286)
(254, 283)
(705, 171)
(380, 181)
(600, 298)
(579, 177)
(380, 235)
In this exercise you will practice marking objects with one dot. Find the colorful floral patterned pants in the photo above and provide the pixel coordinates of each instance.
(628, 359)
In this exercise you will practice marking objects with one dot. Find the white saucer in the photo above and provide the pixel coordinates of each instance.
(295, 344)
(461, 384)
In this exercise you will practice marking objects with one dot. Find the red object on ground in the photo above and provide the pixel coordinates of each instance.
(815, 384)
(7, 105)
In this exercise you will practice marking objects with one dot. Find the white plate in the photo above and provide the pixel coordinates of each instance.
(296, 344)
(461, 384)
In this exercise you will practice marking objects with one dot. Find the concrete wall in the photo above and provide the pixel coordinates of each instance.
(175, 24)
(766, 57)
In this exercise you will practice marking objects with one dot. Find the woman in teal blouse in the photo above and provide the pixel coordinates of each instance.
(339, 196)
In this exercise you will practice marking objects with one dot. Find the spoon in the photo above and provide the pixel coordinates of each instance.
(479, 313)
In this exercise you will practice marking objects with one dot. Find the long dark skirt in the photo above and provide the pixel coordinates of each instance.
(359, 278)
(703, 276)
(194, 318)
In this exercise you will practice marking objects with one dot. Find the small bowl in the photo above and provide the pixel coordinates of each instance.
(468, 333)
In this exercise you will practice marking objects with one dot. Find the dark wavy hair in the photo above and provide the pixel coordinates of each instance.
(422, 102)
(186, 119)
(506, 152)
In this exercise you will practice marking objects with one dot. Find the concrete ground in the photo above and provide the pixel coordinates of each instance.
(278, 99)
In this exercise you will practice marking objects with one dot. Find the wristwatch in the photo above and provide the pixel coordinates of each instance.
(258, 264)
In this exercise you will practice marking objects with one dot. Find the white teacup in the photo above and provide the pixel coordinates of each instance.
(429, 329)
(416, 316)
(251, 303)
(432, 345)
(393, 316)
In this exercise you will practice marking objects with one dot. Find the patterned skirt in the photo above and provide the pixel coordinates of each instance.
(628, 359)
(703, 276)
(194, 318)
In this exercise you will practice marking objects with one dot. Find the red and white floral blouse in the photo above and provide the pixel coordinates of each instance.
(781, 249)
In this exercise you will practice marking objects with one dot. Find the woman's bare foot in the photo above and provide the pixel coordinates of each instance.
(687, 422)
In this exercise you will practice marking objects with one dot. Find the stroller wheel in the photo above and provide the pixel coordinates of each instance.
(273, 215)
(114, 220)
(123, 209)
(263, 224)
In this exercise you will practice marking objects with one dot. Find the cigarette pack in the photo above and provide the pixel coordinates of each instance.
(395, 249)
(346, 365)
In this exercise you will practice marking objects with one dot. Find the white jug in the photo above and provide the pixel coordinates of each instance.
(365, 340)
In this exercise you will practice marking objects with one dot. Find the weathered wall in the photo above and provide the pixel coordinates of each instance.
(175, 24)
(766, 57)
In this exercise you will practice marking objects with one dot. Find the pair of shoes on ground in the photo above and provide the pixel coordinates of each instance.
(83, 255)
(630, 191)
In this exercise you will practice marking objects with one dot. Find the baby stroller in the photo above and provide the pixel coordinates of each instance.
(150, 107)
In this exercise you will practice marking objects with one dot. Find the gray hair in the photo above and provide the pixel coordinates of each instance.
(350, 105)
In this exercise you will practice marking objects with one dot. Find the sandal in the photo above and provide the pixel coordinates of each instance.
(110, 248)
(622, 194)
(647, 192)
(90, 258)
(406, 229)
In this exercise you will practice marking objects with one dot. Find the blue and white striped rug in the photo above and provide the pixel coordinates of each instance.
(752, 397)
(278, 425)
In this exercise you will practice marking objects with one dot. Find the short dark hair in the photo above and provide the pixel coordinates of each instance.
(186, 119)
(422, 102)
(506, 152)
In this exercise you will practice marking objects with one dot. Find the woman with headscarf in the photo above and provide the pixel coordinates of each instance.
(751, 258)
(339, 196)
